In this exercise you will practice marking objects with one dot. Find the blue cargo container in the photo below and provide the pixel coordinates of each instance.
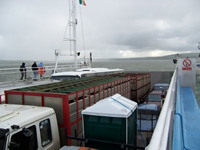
(148, 116)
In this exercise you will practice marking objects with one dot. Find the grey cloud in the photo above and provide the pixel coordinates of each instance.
(33, 29)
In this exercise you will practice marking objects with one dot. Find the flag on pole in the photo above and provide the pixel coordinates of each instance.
(82, 2)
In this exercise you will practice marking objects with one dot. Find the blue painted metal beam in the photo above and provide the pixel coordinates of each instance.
(187, 120)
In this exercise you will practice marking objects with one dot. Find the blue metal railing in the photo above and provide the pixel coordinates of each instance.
(178, 139)
(186, 133)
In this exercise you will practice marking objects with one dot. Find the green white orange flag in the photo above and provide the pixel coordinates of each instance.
(82, 2)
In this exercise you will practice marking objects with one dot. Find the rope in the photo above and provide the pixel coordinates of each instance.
(122, 104)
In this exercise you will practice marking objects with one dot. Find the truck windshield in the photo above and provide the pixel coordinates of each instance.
(154, 98)
(3, 138)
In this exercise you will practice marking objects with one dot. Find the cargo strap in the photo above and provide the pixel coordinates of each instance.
(122, 104)
(134, 119)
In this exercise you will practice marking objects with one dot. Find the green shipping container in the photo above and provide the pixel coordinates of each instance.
(112, 119)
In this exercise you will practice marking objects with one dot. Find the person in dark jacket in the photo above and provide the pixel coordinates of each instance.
(34, 69)
(23, 71)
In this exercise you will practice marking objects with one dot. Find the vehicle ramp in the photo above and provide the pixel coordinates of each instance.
(187, 120)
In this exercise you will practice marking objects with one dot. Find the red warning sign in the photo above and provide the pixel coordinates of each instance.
(186, 64)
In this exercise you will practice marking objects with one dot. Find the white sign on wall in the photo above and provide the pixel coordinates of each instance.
(187, 72)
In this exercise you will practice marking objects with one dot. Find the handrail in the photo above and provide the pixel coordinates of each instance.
(12, 75)
(162, 135)
(51, 67)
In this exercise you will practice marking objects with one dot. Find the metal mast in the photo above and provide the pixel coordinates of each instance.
(71, 30)
(73, 23)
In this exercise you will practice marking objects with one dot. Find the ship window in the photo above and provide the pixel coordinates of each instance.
(45, 132)
(64, 78)
(25, 139)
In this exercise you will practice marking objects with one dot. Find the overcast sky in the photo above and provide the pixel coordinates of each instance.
(33, 29)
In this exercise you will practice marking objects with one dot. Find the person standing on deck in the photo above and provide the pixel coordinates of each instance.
(34, 69)
(41, 70)
(23, 71)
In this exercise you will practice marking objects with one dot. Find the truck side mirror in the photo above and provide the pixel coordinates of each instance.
(27, 132)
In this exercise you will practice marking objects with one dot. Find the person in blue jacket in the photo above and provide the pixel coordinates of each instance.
(41, 69)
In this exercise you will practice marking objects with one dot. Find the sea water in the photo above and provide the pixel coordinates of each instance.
(127, 65)
(138, 65)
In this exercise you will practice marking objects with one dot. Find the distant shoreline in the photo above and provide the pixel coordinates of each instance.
(172, 56)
